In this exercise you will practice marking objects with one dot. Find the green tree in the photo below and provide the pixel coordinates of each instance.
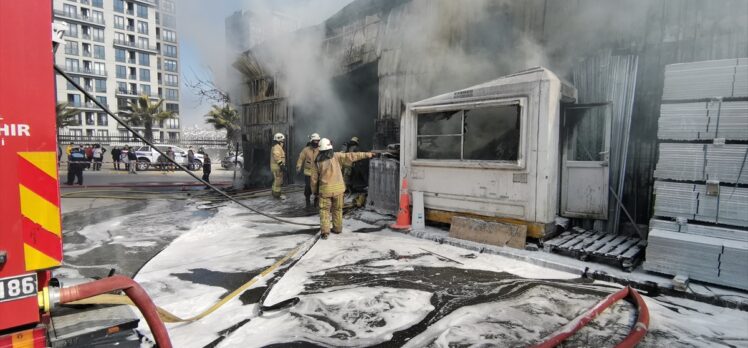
(226, 118)
(66, 115)
(143, 112)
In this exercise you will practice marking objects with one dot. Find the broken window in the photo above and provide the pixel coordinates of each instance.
(484, 134)
(585, 133)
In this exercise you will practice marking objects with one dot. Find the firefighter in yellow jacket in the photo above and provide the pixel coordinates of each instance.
(278, 163)
(305, 162)
(327, 184)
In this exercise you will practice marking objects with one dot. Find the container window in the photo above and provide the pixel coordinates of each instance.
(485, 134)
(492, 133)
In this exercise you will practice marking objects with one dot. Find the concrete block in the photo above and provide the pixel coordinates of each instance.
(488, 232)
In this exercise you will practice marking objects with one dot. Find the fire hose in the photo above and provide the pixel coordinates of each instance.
(634, 337)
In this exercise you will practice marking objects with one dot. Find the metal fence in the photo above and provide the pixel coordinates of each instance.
(112, 140)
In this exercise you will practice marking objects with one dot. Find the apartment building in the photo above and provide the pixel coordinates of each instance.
(118, 50)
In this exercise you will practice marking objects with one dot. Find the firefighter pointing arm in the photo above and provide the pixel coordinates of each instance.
(327, 184)
(277, 163)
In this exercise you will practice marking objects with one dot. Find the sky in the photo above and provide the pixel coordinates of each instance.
(201, 33)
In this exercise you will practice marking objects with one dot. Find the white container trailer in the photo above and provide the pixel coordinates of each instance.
(494, 150)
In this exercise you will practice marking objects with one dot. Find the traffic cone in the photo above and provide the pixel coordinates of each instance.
(403, 215)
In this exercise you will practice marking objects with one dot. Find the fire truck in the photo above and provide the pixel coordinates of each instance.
(30, 232)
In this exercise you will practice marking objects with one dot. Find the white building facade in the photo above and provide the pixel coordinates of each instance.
(118, 50)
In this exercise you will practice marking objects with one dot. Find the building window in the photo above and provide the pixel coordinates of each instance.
(100, 85)
(171, 80)
(98, 3)
(169, 35)
(145, 75)
(72, 65)
(119, 6)
(119, 22)
(99, 68)
(72, 30)
(142, 11)
(143, 27)
(143, 42)
(119, 55)
(90, 119)
(70, 10)
(90, 133)
(98, 34)
(103, 119)
(102, 99)
(99, 52)
(71, 48)
(485, 134)
(102, 133)
(70, 85)
(121, 72)
(170, 65)
(97, 16)
(170, 50)
(169, 21)
(144, 59)
(145, 89)
(172, 107)
(172, 94)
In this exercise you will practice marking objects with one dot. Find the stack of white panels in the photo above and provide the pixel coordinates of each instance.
(701, 230)
(703, 121)
(701, 162)
(685, 162)
(703, 258)
(691, 202)
(706, 79)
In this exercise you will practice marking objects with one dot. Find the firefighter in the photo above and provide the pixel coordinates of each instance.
(327, 184)
(278, 163)
(350, 146)
(305, 161)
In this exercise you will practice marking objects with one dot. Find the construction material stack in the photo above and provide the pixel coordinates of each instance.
(700, 224)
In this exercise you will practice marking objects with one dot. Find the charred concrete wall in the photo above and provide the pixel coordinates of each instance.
(425, 47)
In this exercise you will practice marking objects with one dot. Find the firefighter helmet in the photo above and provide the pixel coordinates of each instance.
(325, 144)
(314, 137)
(354, 140)
(279, 137)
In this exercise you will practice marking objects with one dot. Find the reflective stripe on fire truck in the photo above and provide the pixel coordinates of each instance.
(38, 188)
(32, 338)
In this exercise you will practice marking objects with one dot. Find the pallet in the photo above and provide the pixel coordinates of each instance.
(624, 251)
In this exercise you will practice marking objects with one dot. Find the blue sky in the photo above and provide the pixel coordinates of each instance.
(201, 33)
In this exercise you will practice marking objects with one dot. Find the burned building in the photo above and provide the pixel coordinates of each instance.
(355, 73)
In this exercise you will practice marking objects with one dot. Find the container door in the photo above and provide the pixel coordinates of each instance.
(584, 172)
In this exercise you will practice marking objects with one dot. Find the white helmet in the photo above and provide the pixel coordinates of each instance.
(314, 137)
(279, 137)
(325, 144)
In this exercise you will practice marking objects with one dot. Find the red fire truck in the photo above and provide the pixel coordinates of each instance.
(30, 228)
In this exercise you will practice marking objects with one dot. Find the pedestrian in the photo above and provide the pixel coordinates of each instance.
(98, 156)
(116, 152)
(76, 163)
(89, 155)
(278, 164)
(59, 153)
(133, 159)
(190, 159)
(170, 155)
(328, 185)
(206, 168)
(163, 163)
(304, 163)
(125, 158)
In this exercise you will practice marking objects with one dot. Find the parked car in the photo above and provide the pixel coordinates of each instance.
(148, 157)
(228, 161)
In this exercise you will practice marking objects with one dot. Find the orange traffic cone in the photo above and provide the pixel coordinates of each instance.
(403, 215)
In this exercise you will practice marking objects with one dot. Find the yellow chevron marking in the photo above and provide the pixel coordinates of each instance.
(36, 259)
(39, 210)
(46, 161)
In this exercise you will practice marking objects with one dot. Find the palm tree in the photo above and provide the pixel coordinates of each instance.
(226, 118)
(142, 111)
(66, 115)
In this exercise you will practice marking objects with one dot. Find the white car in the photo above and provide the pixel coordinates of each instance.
(148, 156)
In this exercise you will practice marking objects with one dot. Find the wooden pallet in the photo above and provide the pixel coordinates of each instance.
(624, 251)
